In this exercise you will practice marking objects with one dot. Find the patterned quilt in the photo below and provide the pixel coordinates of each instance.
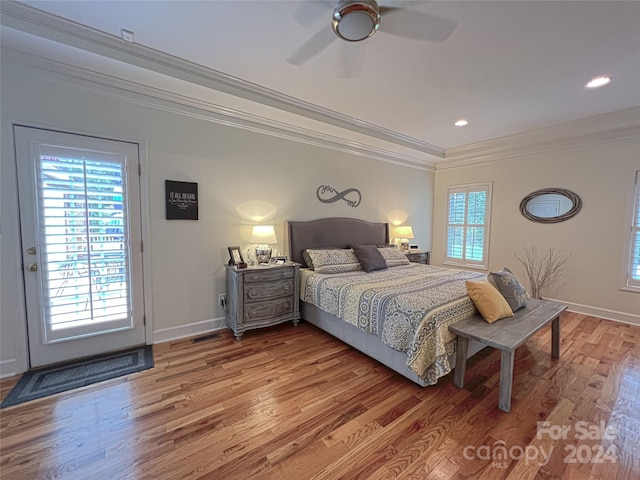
(410, 307)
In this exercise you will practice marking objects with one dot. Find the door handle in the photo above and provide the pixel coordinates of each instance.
(32, 267)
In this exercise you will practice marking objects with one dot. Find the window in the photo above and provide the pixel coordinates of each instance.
(83, 239)
(468, 210)
(633, 270)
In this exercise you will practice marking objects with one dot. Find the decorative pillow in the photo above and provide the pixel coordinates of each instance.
(307, 259)
(370, 257)
(332, 260)
(510, 288)
(393, 256)
(488, 300)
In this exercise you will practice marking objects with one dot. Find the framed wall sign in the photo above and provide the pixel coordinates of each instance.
(181, 200)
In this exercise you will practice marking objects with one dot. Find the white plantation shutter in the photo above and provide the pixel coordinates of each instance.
(468, 224)
(455, 228)
(633, 275)
(82, 248)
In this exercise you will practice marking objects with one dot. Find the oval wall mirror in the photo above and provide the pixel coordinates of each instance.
(550, 205)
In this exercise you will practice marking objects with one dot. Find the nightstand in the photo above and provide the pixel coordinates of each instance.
(418, 257)
(261, 296)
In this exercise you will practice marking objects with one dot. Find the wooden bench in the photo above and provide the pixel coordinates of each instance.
(506, 335)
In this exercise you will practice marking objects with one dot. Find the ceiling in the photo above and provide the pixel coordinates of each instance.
(508, 67)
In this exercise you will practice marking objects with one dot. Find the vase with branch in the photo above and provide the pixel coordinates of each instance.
(541, 270)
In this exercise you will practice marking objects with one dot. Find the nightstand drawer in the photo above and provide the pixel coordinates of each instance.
(264, 290)
(268, 275)
(268, 309)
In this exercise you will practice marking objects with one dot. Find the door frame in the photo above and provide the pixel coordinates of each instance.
(12, 240)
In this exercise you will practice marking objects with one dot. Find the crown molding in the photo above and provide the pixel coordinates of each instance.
(102, 84)
(622, 125)
(42, 24)
(606, 128)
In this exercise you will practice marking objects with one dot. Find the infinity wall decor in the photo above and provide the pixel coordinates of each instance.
(353, 194)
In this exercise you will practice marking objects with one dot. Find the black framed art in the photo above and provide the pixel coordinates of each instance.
(181, 200)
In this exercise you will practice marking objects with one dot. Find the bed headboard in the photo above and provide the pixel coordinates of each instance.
(331, 233)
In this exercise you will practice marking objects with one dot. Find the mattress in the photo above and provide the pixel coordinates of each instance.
(409, 307)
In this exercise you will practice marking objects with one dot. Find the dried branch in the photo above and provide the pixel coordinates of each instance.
(541, 270)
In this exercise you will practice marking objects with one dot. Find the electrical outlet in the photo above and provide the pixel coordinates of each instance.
(222, 299)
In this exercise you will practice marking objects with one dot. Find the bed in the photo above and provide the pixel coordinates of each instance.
(386, 314)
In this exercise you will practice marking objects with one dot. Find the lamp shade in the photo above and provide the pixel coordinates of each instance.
(404, 231)
(263, 234)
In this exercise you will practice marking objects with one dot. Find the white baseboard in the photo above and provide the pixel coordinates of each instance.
(614, 315)
(189, 330)
(8, 368)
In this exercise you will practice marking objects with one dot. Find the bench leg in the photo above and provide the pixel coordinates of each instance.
(555, 337)
(461, 361)
(506, 379)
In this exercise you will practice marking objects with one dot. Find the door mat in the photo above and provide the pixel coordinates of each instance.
(63, 377)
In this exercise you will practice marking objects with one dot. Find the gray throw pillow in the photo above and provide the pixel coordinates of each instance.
(369, 257)
(510, 288)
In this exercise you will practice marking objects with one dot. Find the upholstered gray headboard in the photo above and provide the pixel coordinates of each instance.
(331, 233)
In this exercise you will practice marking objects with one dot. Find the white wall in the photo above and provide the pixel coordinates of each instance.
(596, 238)
(231, 165)
(234, 165)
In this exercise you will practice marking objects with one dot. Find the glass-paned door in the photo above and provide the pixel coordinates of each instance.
(80, 224)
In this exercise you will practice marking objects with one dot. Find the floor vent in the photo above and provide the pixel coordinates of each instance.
(205, 338)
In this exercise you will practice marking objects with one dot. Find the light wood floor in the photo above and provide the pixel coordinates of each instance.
(294, 403)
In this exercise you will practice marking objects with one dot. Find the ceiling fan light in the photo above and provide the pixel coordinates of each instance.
(355, 20)
(355, 26)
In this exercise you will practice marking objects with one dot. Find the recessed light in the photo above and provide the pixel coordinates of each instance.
(600, 81)
(461, 123)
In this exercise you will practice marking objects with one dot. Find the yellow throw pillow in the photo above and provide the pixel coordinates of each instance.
(488, 300)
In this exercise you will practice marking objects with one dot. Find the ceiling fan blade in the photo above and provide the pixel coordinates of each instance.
(309, 12)
(350, 59)
(416, 25)
(312, 47)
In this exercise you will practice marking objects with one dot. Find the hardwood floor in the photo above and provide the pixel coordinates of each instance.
(295, 403)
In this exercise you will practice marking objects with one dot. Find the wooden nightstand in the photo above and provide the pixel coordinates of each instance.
(261, 296)
(418, 257)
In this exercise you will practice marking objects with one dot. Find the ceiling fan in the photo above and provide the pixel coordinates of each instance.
(357, 20)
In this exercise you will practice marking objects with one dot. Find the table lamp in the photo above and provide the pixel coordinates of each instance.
(263, 235)
(403, 234)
